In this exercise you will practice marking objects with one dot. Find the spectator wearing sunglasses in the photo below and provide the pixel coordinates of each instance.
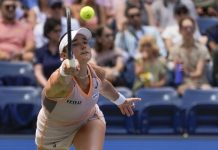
(134, 30)
(16, 37)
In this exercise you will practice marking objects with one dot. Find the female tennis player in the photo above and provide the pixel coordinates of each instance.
(69, 113)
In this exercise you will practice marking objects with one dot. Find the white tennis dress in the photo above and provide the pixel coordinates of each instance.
(59, 119)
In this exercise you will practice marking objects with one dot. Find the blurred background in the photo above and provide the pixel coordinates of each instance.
(163, 51)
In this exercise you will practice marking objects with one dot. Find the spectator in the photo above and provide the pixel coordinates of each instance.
(206, 7)
(163, 11)
(55, 11)
(145, 10)
(149, 69)
(47, 57)
(215, 67)
(37, 12)
(193, 57)
(171, 34)
(134, 30)
(16, 37)
(212, 35)
(111, 58)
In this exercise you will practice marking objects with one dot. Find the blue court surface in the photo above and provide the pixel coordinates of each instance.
(125, 143)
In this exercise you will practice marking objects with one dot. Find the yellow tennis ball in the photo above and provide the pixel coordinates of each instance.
(87, 13)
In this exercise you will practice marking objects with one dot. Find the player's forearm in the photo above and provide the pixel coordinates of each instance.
(58, 85)
(108, 91)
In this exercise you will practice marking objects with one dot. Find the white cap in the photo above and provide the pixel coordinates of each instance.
(64, 40)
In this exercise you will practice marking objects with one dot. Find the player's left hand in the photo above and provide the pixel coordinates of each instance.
(127, 107)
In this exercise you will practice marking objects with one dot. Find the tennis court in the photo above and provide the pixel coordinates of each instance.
(126, 143)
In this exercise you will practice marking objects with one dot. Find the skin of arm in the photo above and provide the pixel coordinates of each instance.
(159, 83)
(29, 45)
(138, 68)
(119, 64)
(58, 86)
(199, 69)
(149, 10)
(212, 45)
(39, 75)
(169, 45)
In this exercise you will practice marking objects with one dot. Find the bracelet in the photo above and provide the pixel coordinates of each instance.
(62, 71)
(121, 99)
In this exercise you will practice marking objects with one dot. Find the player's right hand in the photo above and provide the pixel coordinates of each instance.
(70, 67)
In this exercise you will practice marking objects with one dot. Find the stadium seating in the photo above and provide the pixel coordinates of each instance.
(201, 111)
(16, 74)
(159, 111)
(20, 106)
(206, 22)
(116, 122)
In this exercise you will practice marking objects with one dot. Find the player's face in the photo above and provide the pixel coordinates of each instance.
(81, 49)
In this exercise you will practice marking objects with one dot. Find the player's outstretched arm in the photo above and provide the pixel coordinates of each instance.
(125, 105)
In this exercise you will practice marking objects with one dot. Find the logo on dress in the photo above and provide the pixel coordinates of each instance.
(74, 102)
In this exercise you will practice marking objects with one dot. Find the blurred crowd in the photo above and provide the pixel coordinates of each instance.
(139, 43)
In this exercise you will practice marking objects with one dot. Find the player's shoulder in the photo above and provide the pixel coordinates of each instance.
(98, 70)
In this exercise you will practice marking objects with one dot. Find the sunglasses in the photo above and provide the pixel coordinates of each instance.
(188, 28)
(10, 7)
(134, 15)
(108, 35)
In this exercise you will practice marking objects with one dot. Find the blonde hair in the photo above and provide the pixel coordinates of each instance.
(149, 40)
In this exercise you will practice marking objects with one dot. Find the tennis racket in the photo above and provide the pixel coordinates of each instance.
(69, 46)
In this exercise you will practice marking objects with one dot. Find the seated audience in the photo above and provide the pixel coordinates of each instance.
(110, 57)
(47, 57)
(150, 71)
(192, 56)
(56, 10)
(16, 37)
(171, 34)
(163, 11)
(206, 8)
(134, 30)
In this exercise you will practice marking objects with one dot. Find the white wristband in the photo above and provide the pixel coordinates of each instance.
(62, 71)
(120, 100)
